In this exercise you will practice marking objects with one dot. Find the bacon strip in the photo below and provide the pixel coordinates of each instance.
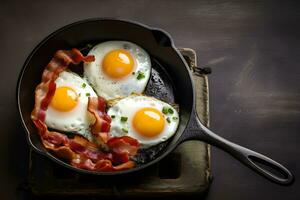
(101, 165)
(61, 60)
(79, 151)
(101, 126)
(123, 145)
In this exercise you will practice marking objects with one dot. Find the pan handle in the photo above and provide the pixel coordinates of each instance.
(250, 158)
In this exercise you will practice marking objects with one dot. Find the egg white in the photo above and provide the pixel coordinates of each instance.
(127, 107)
(77, 120)
(112, 88)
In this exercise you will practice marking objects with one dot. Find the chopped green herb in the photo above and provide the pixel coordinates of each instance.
(168, 120)
(124, 119)
(83, 85)
(79, 94)
(87, 94)
(165, 110)
(170, 111)
(113, 116)
(140, 75)
(125, 130)
(175, 118)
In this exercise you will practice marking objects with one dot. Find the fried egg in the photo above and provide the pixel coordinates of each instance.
(146, 119)
(67, 110)
(120, 68)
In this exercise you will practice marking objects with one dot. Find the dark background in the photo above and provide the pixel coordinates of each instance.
(251, 46)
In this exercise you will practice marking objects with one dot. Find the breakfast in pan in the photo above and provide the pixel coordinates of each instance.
(72, 114)
(119, 105)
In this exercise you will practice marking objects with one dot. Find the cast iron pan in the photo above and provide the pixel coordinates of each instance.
(171, 81)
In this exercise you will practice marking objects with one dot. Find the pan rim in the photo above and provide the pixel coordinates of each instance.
(61, 162)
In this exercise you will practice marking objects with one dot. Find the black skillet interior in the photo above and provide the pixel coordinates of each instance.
(170, 75)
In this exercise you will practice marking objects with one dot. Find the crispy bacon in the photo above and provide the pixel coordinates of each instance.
(79, 151)
(101, 165)
(101, 126)
(123, 145)
(61, 60)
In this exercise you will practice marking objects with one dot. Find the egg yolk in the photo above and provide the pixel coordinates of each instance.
(118, 63)
(148, 122)
(64, 99)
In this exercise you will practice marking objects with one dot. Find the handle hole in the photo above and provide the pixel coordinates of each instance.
(269, 167)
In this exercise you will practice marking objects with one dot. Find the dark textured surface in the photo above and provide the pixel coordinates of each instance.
(251, 46)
